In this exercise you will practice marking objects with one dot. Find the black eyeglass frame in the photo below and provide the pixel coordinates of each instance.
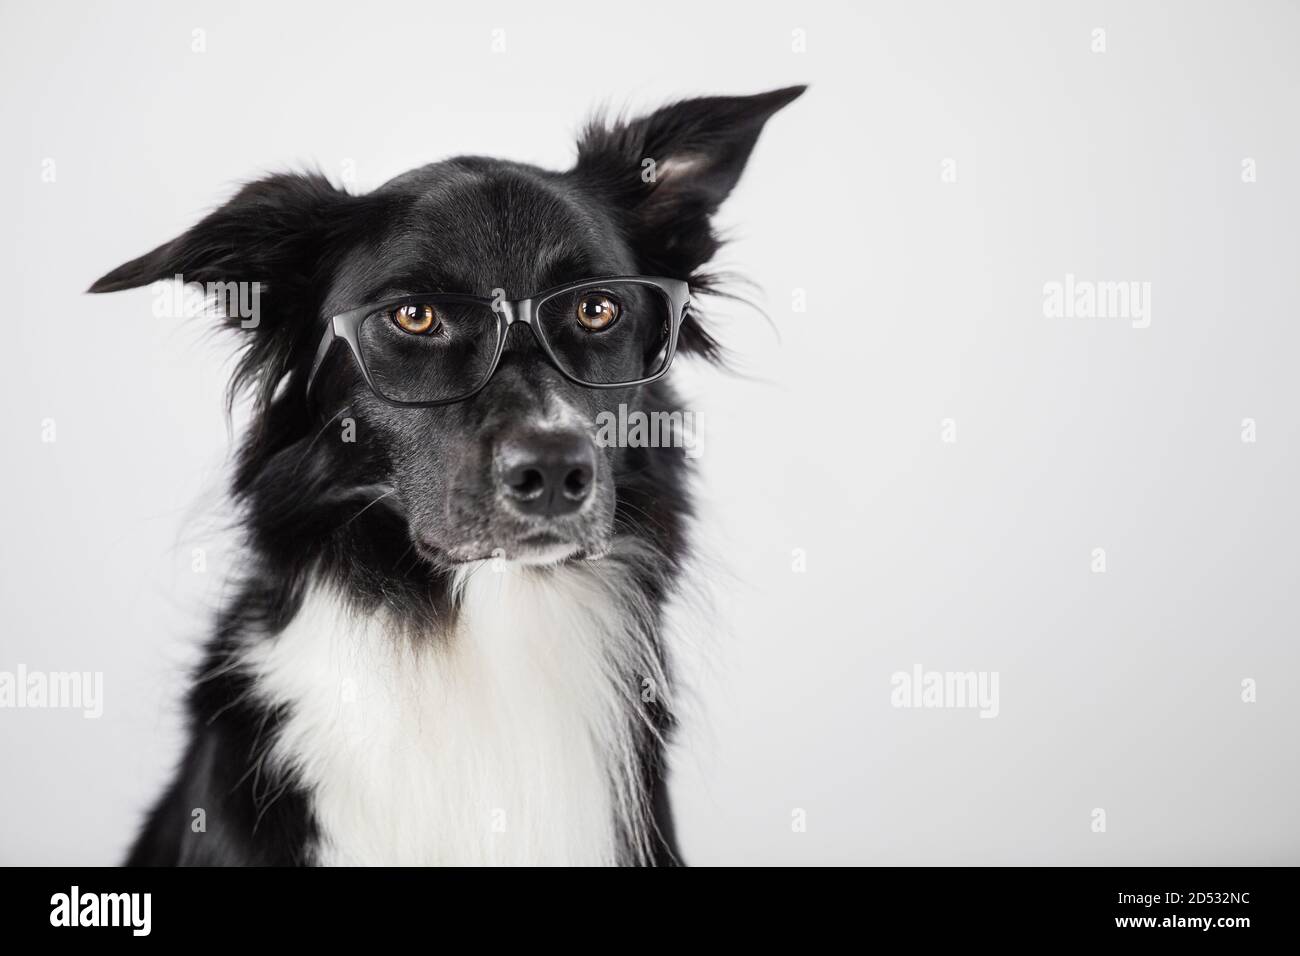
(347, 325)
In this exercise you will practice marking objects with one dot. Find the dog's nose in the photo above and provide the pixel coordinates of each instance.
(546, 473)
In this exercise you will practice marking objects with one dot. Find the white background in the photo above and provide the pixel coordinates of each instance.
(1119, 691)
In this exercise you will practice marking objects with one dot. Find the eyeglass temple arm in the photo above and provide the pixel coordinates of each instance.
(327, 340)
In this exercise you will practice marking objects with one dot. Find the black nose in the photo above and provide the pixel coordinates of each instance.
(546, 473)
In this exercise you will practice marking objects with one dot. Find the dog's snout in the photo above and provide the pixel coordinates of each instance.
(546, 473)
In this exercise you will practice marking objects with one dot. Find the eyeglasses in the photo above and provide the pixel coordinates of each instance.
(425, 350)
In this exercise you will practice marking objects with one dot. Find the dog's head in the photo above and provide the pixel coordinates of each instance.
(511, 468)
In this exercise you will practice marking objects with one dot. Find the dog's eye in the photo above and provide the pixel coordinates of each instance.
(597, 311)
(416, 319)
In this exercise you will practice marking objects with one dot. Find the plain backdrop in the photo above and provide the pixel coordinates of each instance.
(847, 539)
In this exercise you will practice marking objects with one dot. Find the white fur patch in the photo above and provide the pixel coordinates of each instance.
(508, 741)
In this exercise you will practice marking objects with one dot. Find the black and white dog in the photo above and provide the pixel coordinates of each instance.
(445, 646)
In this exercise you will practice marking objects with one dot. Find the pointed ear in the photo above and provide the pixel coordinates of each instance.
(666, 174)
(266, 232)
(273, 236)
(690, 152)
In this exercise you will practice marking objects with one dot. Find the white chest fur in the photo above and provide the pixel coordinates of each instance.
(507, 741)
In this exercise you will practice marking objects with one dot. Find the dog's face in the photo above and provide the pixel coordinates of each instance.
(512, 470)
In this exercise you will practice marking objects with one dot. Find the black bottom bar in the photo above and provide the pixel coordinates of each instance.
(1177, 905)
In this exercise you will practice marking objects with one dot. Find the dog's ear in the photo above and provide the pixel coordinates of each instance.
(275, 233)
(666, 174)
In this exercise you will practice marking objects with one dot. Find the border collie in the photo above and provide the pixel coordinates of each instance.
(445, 647)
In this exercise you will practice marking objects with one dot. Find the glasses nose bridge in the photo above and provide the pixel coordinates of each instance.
(518, 310)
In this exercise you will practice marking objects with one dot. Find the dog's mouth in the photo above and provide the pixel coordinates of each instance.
(541, 548)
(533, 553)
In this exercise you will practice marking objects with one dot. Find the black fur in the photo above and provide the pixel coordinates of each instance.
(466, 225)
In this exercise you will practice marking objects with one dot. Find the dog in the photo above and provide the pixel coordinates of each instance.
(444, 645)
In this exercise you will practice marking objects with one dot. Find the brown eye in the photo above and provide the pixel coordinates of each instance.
(416, 319)
(597, 311)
